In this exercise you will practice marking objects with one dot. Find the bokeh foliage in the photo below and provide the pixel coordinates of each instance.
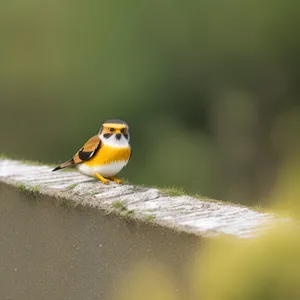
(266, 268)
(209, 88)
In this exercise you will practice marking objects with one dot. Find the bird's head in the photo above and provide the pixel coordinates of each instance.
(115, 133)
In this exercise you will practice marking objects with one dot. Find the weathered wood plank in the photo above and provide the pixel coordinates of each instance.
(184, 213)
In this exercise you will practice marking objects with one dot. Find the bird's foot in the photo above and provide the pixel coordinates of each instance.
(119, 181)
(101, 178)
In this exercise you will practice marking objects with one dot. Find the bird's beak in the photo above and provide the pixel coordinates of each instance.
(118, 136)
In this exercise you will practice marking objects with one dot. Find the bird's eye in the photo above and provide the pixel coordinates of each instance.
(111, 129)
(122, 130)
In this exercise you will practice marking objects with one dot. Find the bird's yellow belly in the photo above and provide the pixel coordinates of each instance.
(108, 161)
(107, 155)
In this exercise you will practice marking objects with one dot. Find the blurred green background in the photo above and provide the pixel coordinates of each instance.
(210, 89)
(264, 268)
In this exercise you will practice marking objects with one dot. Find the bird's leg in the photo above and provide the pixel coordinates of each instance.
(101, 178)
(119, 181)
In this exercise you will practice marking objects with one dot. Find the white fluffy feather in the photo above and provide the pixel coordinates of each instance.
(105, 170)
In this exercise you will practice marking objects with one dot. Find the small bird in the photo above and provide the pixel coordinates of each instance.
(105, 154)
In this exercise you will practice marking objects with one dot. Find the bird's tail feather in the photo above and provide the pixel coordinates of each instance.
(64, 165)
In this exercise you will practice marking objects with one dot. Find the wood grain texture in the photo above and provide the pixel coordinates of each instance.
(181, 213)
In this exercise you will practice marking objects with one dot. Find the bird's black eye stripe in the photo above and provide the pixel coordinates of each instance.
(107, 135)
(111, 129)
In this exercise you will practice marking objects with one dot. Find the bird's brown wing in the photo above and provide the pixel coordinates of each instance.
(86, 152)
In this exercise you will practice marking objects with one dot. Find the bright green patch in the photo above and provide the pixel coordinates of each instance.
(127, 214)
(150, 218)
(124, 212)
(72, 186)
(30, 190)
(119, 205)
(22, 187)
(173, 191)
(176, 192)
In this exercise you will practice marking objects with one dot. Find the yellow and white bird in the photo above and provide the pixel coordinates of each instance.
(105, 154)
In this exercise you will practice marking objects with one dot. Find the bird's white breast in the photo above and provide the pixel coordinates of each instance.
(106, 170)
